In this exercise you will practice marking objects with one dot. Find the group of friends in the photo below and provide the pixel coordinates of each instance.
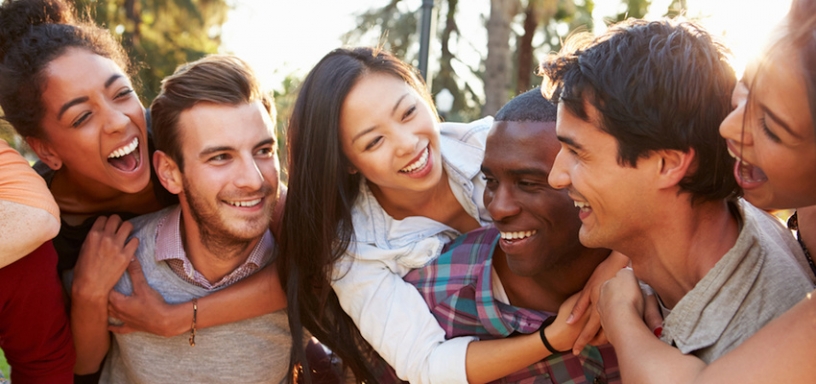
(609, 226)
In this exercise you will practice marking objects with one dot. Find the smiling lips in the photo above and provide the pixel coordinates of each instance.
(126, 158)
(419, 164)
(518, 235)
(582, 206)
(248, 203)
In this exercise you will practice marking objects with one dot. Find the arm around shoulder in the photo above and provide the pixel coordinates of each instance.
(29, 216)
(394, 318)
(145, 310)
(23, 229)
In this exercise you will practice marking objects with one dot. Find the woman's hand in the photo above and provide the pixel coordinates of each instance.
(620, 302)
(103, 258)
(560, 334)
(145, 309)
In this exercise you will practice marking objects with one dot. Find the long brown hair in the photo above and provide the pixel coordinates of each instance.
(317, 223)
(801, 33)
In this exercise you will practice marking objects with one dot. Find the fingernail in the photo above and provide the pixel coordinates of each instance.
(658, 331)
(569, 319)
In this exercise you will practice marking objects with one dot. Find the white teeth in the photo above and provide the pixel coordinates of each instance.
(419, 163)
(581, 205)
(250, 203)
(734, 155)
(517, 235)
(126, 150)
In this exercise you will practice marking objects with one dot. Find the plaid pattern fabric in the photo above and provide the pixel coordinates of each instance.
(170, 250)
(458, 288)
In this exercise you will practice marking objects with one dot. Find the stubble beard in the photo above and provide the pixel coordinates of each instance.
(214, 234)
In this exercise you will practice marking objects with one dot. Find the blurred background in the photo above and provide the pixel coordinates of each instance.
(481, 52)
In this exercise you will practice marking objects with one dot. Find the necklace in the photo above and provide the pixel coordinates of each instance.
(793, 224)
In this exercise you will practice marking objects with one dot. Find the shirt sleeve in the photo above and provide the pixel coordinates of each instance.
(19, 183)
(396, 321)
(34, 330)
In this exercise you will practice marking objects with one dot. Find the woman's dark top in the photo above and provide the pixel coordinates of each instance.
(70, 238)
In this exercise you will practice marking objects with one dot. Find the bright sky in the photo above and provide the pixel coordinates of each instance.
(279, 37)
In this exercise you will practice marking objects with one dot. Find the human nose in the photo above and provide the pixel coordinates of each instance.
(559, 177)
(407, 142)
(501, 203)
(249, 176)
(733, 127)
(116, 121)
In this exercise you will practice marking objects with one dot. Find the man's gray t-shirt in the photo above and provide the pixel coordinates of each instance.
(757, 280)
(248, 351)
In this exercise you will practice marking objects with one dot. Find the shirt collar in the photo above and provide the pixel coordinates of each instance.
(170, 247)
(499, 318)
(701, 317)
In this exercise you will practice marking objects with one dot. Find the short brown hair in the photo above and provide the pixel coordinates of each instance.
(220, 79)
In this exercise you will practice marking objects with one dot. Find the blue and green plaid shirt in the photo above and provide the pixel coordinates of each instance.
(458, 289)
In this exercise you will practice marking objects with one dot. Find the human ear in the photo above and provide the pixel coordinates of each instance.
(168, 172)
(673, 166)
(45, 152)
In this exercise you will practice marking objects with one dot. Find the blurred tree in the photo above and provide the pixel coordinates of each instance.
(634, 9)
(546, 24)
(498, 64)
(284, 102)
(676, 8)
(7, 132)
(395, 28)
(519, 32)
(160, 34)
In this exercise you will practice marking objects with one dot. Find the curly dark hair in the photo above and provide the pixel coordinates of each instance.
(32, 34)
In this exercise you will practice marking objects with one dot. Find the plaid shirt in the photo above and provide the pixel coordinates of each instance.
(458, 288)
(170, 249)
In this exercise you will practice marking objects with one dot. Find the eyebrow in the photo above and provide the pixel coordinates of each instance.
(269, 141)
(210, 150)
(224, 148)
(528, 172)
(365, 131)
(569, 141)
(80, 100)
(520, 171)
(779, 121)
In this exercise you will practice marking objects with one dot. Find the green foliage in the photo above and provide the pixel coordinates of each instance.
(284, 102)
(4, 367)
(394, 26)
(160, 34)
(391, 25)
(570, 16)
(6, 131)
(676, 8)
(634, 9)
